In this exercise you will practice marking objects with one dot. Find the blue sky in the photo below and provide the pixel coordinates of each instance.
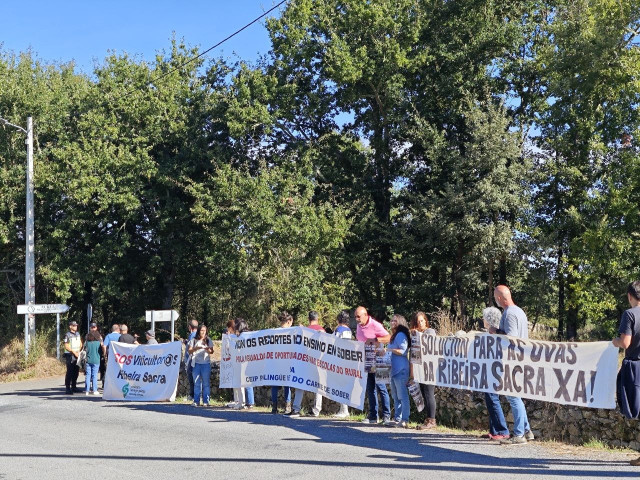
(85, 31)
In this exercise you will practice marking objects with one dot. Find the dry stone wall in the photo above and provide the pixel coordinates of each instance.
(467, 410)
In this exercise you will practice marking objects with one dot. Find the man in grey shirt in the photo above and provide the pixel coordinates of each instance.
(514, 323)
(151, 337)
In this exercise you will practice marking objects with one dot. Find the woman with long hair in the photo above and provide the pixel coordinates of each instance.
(200, 350)
(93, 343)
(420, 323)
(399, 348)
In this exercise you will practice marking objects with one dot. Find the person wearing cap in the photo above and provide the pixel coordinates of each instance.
(72, 347)
(151, 337)
(93, 344)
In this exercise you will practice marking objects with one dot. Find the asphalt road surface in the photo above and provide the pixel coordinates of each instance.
(47, 434)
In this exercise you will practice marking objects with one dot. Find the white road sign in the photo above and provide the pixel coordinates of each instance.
(161, 315)
(36, 309)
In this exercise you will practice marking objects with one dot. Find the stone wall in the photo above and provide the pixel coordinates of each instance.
(467, 410)
(550, 421)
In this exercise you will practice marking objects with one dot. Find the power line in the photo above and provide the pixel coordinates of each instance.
(155, 80)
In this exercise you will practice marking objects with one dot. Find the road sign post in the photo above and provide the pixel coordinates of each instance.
(153, 316)
(30, 310)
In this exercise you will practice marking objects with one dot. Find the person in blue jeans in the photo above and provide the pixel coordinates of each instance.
(513, 323)
(371, 332)
(399, 348)
(200, 350)
(498, 429)
(93, 345)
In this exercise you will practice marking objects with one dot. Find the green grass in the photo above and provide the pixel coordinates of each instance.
(600, 445)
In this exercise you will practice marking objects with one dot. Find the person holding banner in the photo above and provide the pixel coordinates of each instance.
(399, 348)
(298, 393)
(343, 331)
(628, 391)
(420, 323)
(200, 349)
(371, 332)
(286, 321)
(243, 397)
(515, 324)
(498, 429)
(193, 328)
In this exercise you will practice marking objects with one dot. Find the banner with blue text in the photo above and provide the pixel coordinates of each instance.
(296, 357)
(142, 373)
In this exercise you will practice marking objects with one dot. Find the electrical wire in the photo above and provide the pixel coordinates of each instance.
(155, 80)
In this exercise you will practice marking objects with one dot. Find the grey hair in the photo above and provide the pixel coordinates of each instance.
(492, 316)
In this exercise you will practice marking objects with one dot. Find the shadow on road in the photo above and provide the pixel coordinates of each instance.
(403, 449)
(398, 449)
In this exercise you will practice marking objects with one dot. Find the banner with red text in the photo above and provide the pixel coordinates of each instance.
(142, 373)
(296, 357)
(570, 373)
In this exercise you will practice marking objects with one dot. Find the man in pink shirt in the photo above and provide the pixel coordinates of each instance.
(370, 331)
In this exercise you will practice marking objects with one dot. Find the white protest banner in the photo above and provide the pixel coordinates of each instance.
(296, 357)
(142, 373)
(570, 373)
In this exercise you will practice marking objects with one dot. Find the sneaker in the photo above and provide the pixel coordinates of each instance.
(189, 398)
(249, 407)
(287, 408)
(194, 404)
(387, 422)
(238, 406)
(401, 424)
(529, 435)
(97, 393)
(497, 437)
(231, 404)
(514, 441)
(205, 405)
(635, 463)
(292, 414)
(368, 420)
(340, 415)
(86, 393)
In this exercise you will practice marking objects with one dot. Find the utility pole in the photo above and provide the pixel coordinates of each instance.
(29, 264)
(29, 269)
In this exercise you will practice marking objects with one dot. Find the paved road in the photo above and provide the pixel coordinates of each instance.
(46, 434)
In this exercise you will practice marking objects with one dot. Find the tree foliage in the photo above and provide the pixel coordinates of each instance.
(404, 155)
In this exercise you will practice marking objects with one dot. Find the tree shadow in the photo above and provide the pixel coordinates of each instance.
(401, 448)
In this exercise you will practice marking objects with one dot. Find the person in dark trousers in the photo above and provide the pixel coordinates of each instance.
(193, 328)
(420, 323)
(628, 338)
(72, 347)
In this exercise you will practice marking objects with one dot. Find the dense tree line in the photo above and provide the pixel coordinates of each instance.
(401, 154)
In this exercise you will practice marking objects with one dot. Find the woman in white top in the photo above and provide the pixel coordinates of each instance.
(200, 350)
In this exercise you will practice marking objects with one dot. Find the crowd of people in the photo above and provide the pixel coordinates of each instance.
(94, 349)
(511, 321)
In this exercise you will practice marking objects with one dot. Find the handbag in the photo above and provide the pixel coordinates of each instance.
(82, 358)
